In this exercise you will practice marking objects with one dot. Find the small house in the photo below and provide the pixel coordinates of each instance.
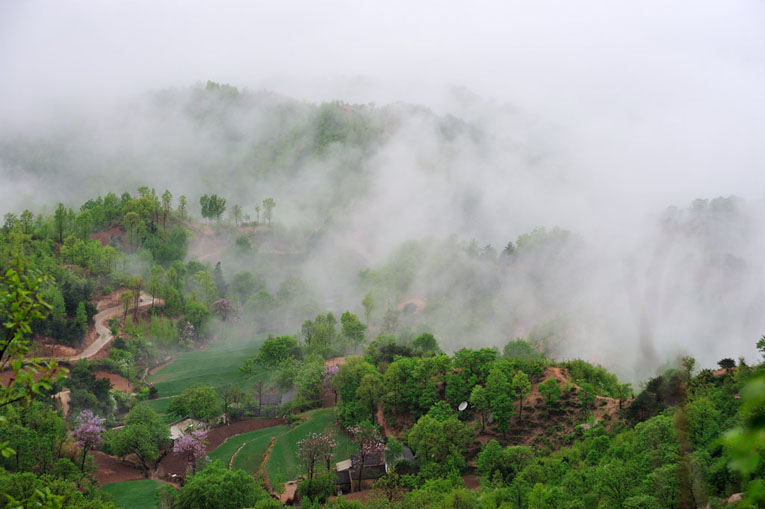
(186, 426)
(350, 469)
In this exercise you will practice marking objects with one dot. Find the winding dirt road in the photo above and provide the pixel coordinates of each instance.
(102, 329)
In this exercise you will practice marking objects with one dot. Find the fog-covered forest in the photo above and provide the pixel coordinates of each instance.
(502, 281)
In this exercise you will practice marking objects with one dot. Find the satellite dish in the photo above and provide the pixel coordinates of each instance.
(462, 406)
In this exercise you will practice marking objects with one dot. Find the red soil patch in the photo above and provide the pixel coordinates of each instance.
(112, 470)
(290, 488)
(419, 304)
(105, 237)
(118, 382)
(471, 481)
(334, 361)
(217, 436)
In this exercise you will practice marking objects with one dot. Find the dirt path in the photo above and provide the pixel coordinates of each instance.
(64, 396)
(262, 473)
(102, 329)
(233, 456)
(389, 432)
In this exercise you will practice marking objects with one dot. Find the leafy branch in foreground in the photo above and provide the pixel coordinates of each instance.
(21, 303)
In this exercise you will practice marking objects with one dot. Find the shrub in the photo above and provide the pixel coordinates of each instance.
(318, 489)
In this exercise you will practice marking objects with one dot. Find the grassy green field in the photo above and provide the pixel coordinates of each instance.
(251, 455)
(283, 462)
(230, 446)
(160, 406)
(216, 366)
(134, 494)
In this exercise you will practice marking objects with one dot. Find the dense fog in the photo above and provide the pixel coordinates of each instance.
(630, 133)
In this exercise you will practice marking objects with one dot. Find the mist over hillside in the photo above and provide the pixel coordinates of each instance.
(405, 140)
(381, 255)
(406, 203)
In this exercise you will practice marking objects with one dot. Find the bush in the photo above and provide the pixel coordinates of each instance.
(318, 489)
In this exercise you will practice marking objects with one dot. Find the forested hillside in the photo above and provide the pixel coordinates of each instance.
(141, 315)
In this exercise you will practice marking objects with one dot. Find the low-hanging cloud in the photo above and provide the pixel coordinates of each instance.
(586, 116)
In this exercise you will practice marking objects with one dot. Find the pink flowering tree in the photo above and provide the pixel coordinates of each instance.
(314, 448)
(370, 443)
(186, 332)
(223, 308)
(327, 377)
(192, 446)
(88, 432)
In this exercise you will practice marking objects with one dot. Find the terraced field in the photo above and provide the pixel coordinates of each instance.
(217, 366)
(134, 494)
(231, 445)
(283, 462)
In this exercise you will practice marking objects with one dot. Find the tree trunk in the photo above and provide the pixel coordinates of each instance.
(84, 455)
(361, 472)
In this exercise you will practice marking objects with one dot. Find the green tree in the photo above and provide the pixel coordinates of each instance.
(204, 287)
(276, 350)
(136, 285)
(426, 344)
(131, 221)
(353, 329)
(26, 220)
(727, 364)
(236, 214)
(216, 486)
(688, 364)
(551, 391)
(59, 220)
(520, 349)
(21, 303)
(197, 314)
(268, 207)
(614, 480)
(167, 202)
(498, 390)
(144, 435)
(587, 395)
(521, 389)
(197, 402)
(231, 395)
(182, 206)
(480, 401)
(81, 318)
(623, 392)
(156, 282)
(244, 284)
(213, 206)
(126, 298)
(309, 380)
(369, 392)
(439, 445)
(84, 224)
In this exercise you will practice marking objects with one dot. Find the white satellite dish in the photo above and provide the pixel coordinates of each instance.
(462, 406)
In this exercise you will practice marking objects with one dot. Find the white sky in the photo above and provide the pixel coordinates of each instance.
(677, 89)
